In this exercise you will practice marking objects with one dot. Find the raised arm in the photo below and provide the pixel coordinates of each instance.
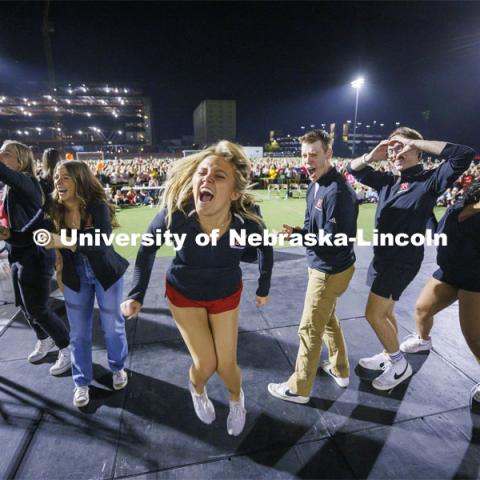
(458, 159)
(360, 169)
(25, 184)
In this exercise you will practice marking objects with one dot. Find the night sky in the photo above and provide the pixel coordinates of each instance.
(286, 64)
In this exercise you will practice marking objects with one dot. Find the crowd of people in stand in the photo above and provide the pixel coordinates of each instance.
(137, 181)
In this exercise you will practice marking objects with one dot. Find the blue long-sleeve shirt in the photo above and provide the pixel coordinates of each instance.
(406, 202)
(332, 207)
(201, 273)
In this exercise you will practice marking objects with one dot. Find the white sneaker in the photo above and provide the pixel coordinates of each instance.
(81, 396)
(236, 416)
(475, 394)
(63, 363)
(340, 381)
(394, 374)
(377, 362)
(120, 379)
(281, 391)
(202, 405)
(415, 343)
(42, 347)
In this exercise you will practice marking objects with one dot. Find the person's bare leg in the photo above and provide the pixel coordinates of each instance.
(225, 336)
(195, 330)
(376, 313)
(392, 318)
(434, 297)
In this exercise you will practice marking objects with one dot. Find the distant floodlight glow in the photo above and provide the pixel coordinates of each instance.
(358, 83)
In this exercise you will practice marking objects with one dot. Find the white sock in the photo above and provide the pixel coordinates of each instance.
(396, 357)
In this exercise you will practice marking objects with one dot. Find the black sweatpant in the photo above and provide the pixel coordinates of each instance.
(31, 278)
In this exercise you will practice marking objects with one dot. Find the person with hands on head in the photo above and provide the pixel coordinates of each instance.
(207, 193)
(31, 265)
(331, 207)
(406, 199)
(457, 278)
(88, 272)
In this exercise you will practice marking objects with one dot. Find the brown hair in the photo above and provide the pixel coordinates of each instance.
(50, 158)
(88, 190)
(315, 136)
(406, 132)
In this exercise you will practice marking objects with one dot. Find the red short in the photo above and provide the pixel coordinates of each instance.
(213, 306)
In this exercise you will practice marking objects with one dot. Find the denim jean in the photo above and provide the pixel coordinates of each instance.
(79, 306)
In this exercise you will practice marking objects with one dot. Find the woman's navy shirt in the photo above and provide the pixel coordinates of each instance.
(201, 273)
(107, 265)
(461, 256)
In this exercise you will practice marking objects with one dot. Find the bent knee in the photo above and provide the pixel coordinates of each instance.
(206, 368)
(227, 367)
(423, 309)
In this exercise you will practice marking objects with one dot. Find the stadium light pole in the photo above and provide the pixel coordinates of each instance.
(357, 85)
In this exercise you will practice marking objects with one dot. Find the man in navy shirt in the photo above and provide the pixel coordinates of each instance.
(406, 202)
(331, 207)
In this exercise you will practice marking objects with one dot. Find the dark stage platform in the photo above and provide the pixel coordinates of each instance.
(424, 429)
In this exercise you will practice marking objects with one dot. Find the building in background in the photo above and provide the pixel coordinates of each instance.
(214, 120)
(367, 136)
(80, 118)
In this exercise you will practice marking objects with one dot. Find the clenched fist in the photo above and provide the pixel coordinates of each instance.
(130, 308)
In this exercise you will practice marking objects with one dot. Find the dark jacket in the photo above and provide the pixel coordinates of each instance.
(201, 273)
(406, 202)
(461, 256)
(334, 209)
(23, 204)
(107, 265)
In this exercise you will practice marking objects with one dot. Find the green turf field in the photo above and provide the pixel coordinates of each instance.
(276, 211)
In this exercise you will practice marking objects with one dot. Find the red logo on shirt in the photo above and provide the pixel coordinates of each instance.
(319, 203)
(237, 245)
(404, 186)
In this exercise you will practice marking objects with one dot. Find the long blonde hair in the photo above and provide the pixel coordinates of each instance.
(24, 156)
(178, 193)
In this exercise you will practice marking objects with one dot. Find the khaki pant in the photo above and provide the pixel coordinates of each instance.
(318, 323)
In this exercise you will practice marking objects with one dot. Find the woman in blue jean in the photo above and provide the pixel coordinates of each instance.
(80, 204)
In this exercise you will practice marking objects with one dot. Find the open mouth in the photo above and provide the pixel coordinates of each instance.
(311, 170)
(206, 195)
(61, 191)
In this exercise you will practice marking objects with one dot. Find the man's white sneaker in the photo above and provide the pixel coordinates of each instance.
(120, 379)
(340, 381)
(415, 343)
(202, 405)
(236, 416)
(475, 395)
(377, 362)
(42, 347)
(81, 396)
(394, 374)
(281, 391)
(63, 363)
